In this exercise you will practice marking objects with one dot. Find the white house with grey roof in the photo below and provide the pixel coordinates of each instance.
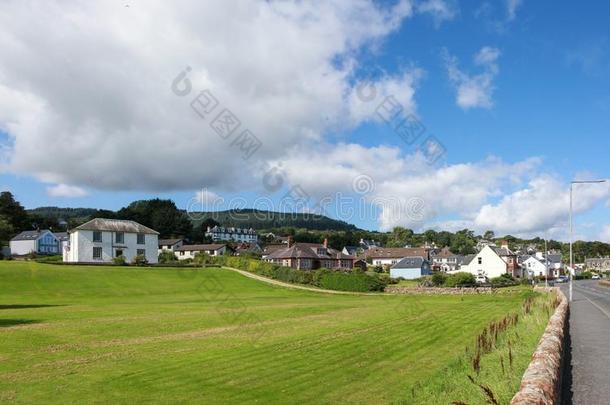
(411, 268)
(100, 240)
(42, 242)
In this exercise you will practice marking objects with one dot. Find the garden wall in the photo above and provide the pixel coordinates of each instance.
(541, 383)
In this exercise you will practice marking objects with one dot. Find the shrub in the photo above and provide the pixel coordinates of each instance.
(139, 260)
(119, 260)
(167, 256)
(460, 279)
(201, 259)
(50, 259)
(336, 280)
(438, 279)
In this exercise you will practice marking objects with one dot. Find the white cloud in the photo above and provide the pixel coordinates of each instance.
(511, 8)
(604, 235)
(440, 10)
(66, 191)
(474, 91)
(540, 206)
(285, 69)
(406, 189)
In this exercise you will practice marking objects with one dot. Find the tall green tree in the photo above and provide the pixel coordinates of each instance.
(160, 215)
(13, 212)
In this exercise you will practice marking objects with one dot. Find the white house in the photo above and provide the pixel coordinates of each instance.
(189, 251)
(535, 266)
(219, 233)
(411, 268)
(391, 256)
(170, 244)
(486, 263)
(100, 240)
(38, 241)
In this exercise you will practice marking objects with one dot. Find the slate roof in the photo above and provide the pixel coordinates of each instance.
(115, 225)
(468, 259)
(389, 253)
(62, 236)
(199, 248)
(29, 235)
(168, 242)
(409, 263)
(308, 251)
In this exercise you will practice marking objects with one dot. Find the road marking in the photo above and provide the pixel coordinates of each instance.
(598, 307)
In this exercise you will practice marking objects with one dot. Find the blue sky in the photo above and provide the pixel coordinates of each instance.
(545, 100)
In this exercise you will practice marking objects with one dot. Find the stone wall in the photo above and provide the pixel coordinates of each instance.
(541, 383)
(396, 289)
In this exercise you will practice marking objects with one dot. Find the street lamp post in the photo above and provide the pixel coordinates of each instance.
(572, 226)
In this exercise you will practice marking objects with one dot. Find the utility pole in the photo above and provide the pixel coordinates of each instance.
(572, 270)
(546, 265)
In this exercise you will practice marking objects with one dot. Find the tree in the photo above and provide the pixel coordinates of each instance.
(13, 212)
(6, 230)
(463, 242)
(489, 235)
(160, 215)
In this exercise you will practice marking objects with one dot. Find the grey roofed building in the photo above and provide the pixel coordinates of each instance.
(350, 250)
(169, 242)
(410, 263)
(62, 236)
(468, 259)
(29, 235)
(199, 248)
(115, 225)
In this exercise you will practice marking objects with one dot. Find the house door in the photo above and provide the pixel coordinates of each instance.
(118, 252)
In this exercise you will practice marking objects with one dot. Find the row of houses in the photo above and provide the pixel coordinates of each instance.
(101, 240)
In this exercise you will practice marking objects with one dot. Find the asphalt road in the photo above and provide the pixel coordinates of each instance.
(588, 378)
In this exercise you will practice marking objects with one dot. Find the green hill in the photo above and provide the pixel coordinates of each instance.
(257, 219)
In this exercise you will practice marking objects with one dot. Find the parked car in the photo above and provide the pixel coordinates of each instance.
(595, 277)
(481, 279)
(562, 279)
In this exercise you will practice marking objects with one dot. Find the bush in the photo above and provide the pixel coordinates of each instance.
(201, 259)
(119, 261)
(330, 279)
(139, 260)
(336, 280)
(167, 256)
(460, 279)
(505, 280)
(50, 259)
(438, 279)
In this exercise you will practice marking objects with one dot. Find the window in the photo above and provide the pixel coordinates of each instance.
(97, 236)
(97, 253)
(480, 260)
(141, 239)
(119, 237)
(141, 252)
(182, 253)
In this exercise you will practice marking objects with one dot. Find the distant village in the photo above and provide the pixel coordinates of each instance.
(103, 240)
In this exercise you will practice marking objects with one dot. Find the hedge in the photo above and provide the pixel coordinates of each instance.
(340, 280)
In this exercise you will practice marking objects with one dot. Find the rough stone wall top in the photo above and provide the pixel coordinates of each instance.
(541, 381)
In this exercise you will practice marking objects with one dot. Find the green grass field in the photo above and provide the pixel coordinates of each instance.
(127, 335)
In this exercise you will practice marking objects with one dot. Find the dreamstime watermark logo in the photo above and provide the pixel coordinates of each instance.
(407, 126)
(363, 184)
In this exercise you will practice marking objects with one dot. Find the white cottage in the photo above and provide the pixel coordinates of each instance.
(100, 240)
(38, 241)
(486, 263)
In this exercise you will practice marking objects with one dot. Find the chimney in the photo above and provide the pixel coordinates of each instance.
(326, 243)
(290, 241)
(504, 244)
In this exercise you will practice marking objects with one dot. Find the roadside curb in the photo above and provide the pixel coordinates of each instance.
(541, 382)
